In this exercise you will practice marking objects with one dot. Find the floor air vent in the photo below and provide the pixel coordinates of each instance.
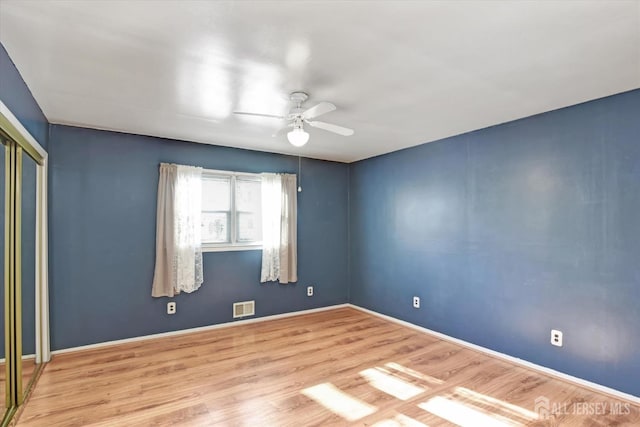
(244, 308)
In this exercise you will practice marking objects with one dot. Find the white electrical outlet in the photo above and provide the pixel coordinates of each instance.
(309, 291)
(171, 308)
(416, 302)
(556, 338)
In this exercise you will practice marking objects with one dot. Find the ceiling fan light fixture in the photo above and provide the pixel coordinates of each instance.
(298, 137)
(299, 116)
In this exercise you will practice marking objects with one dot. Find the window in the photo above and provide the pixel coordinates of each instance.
(231, 211)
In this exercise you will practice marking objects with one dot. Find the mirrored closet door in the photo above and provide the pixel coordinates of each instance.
(27, 287)
(24, 267)
(4, 398)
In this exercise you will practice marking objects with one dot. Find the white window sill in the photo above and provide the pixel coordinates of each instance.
(231, 248)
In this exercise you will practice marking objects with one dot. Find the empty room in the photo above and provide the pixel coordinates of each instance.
(320, 213)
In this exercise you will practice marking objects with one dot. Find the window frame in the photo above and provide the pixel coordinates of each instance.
(233, 244)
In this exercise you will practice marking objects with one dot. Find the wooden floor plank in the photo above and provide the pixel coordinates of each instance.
(337, 367)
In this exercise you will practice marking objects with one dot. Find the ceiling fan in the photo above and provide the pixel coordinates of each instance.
(298, 116)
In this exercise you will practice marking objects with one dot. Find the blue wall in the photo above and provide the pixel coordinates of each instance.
(15, 94)
(103, 216)
(510, 231)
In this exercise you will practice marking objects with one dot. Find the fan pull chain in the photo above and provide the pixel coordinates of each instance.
(299, 175)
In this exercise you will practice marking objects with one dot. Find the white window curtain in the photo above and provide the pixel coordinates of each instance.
(178, 228)
(279, 228)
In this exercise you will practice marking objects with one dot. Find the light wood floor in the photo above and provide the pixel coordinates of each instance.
(338, 367)
(28, 370)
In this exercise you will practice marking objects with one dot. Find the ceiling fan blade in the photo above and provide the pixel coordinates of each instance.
(331, 128)
(318, 110)
(271, 116)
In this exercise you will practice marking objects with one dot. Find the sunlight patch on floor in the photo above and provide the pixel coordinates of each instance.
(461, 414)
(500, 405)
(419, 375)
(339, 402)
(387, 383)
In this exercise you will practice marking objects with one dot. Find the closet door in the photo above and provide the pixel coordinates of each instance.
(11, 153)
(4, 385)
(23, 244)
(26, 287)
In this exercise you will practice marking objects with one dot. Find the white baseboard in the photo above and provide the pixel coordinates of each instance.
(521, 362)
(200, 329)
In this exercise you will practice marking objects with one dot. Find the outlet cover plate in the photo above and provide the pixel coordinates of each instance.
(556, 337)
(171, 308)
(309, 291)
(416, 302)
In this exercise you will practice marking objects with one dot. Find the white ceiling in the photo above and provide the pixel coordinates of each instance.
(400, 72)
